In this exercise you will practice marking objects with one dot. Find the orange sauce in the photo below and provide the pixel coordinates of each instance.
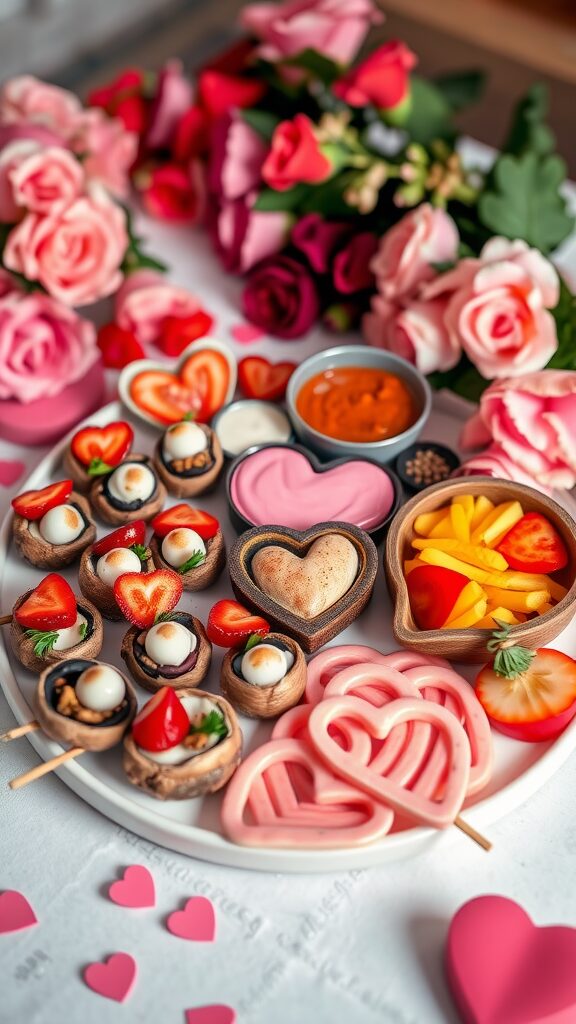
(357, 403)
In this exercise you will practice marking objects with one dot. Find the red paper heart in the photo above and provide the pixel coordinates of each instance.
(114, 978)
(246, 333)
(504, 970)
(197, 922)
(10, 471)
(135, 889)
(15, 912)
(215, 1014)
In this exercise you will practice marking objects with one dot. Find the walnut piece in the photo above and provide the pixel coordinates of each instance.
(69, 706)
(200, 461)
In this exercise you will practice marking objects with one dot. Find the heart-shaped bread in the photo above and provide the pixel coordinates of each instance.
(309, 584)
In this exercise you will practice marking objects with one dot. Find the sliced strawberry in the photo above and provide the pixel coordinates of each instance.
(162, 722)
(51, 605)
(123, 537)
(208, 373)
(230, 624)
(533, 545)
(33, 504)
(164, 396)
(433, 592)
(259, 378)
(181, 516)
(142, 597)
(538, 704)
(102, 448)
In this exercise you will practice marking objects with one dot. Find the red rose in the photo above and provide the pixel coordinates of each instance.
(352, 271)
(191, 137)
(172, 192)
(318, 239)
(219, 92)
(281, 297)
(383, 79)
(295, 156)
(176, 333)
(123, 98)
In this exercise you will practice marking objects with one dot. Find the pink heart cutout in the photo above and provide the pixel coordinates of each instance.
(503, 969)
(114, 978)
(10, 471)
(197, 922)
(15, 912)
(325, 665)
(215, 1014)
(246, 333)
(135, 889)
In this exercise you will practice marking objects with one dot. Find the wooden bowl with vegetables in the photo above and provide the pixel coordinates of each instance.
(466, 556)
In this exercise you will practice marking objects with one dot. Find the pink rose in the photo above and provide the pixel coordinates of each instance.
(494, 462)
(244, 236)
(174, 96)
(26, 98)
(383, 79)
(335, 28)
(295, 156)
(46, 177)
(236, 157)
(502, 250)
(44, 346)
(146, 299)
(533, 420)
(352, 271)
(10, 157)
(107, 149)
(409, 250)
(416, 331)
(75, 253)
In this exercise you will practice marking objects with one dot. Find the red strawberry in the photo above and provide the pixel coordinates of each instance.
(142, 597)
(537, 702)
(184, 516)
(258, 378)
(177, 333)
(162, 722)
(230, 624)
(102, 448)
(123, 537)
(51, 605)
(118, 347)
(33, 504)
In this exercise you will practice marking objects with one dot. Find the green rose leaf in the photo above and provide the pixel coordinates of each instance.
(461, 88)
(271, 201)
(528, 131)
(261, 121)
(317, 64)
(430, 116)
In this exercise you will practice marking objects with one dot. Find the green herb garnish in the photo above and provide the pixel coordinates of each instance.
(99, 468)
(189, 416)
(44, 640)
(163, 617)
(509, 662)
(212, 724)
(196, 558)
(141, 550)
(83, 630)
(252, 640)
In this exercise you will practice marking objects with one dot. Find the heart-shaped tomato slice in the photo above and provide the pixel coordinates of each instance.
(207, 372)
(164, 396)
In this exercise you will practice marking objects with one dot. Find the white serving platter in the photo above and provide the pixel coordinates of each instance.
(192, 827)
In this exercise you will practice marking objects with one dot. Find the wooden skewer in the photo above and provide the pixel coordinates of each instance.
(477, 837)
(5, 619)
(19, 730)
(43, 769)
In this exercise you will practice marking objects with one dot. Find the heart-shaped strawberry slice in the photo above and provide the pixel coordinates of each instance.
(259, 378)
(99, 449)
(164, 396)
(143, 597)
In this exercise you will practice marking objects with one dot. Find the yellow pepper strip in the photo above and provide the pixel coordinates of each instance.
(412, 563)
(504, 614)
(427, 520)
(482, 507)
(497, 523)
(435, 557)
(512, 580)
(443, 528)
(467, 503)
(469, 618)
(557, 591)
(472, 553)
(459, 523)
(467, 598)
(517, 601)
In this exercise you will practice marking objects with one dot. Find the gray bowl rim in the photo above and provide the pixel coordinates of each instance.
(244, 401)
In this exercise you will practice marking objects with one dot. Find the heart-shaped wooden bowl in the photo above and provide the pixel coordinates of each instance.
(314, 632)
(469, 645)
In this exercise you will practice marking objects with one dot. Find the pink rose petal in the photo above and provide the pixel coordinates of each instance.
(246, 333)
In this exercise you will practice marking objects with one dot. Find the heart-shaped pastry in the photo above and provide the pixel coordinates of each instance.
(504, 970)
(288, 485)
(203, 380)
(309, 584)
(303, 807)
(442, 801)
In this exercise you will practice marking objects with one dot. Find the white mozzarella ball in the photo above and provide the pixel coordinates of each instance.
(100, 688)
(265, 665)
(184, 440)
(132, 481)
(179, 545)
(70, 635)
(116, 562)
(61, 525)
(169, 643)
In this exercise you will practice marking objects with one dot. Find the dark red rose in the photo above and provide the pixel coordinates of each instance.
(191, 136)
(352, 264)
(219, 92)
(318, 239)
(124, 98)
(281, 297)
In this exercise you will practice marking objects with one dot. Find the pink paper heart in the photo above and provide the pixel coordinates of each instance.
(196, 922)
(246, 333)
(10, 471)
(15, 912)
(504, 970)
(216, 1014)
(135, 889)
(114, 978)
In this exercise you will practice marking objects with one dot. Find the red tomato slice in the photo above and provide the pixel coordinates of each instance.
(33, 504)
(51, 605)
(109, 445)
(538, 704)
(433, 592)
(164, 396)
(184, 516)
(207, 372)
(162, 722)
(533, 545)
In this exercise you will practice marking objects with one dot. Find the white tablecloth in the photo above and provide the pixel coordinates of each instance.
(363, 947)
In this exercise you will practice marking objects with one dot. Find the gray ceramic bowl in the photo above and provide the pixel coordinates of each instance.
(359, 355)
